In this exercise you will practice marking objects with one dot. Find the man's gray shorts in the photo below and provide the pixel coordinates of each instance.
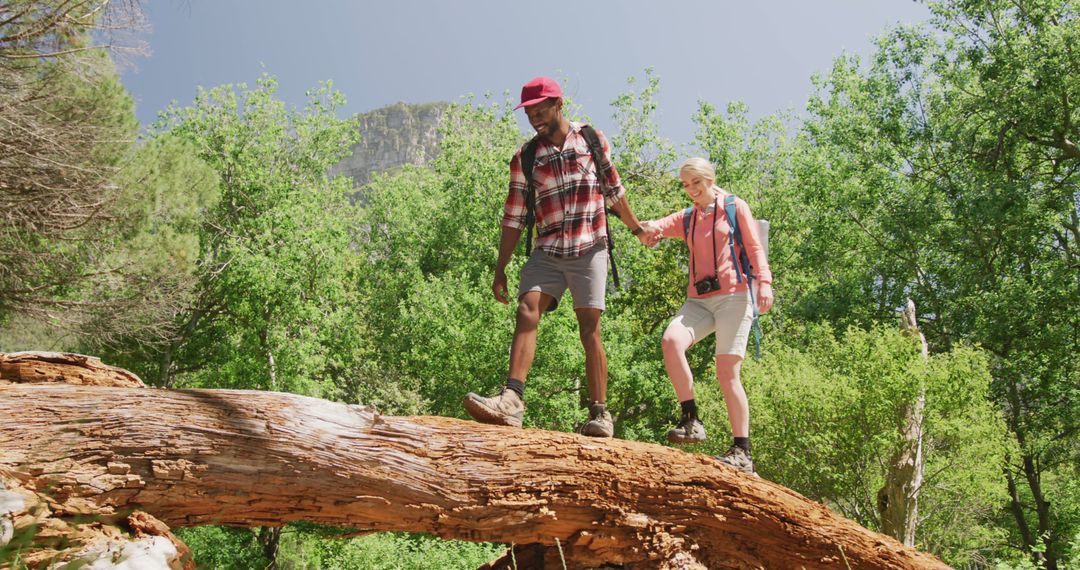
(585, 276)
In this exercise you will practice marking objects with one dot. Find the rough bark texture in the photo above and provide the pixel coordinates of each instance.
(898, 499)
(62, 367)
(192, 457)
(31, 533)
(39, 537)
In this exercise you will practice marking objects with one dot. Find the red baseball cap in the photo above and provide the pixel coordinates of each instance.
(539, 89)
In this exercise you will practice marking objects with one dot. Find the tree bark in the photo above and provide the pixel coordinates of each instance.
(269, 540)
(898, 499)
(1046, 556)
(1042, 511)
(248, 458)
(62, 367)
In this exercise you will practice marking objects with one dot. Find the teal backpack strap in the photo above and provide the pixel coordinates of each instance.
(734, 235)
(686, 222)
(742, 266)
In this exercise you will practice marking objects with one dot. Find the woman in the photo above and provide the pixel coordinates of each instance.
(718, 301)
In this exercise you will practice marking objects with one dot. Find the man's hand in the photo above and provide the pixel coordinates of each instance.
(508, 240)
(764, 298)
(498, 287)
(650, 233)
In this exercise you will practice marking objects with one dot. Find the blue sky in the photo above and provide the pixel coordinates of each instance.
(377, 53)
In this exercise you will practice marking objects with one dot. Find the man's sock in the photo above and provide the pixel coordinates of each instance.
(517, 386)
(689, 408)
(744, 443)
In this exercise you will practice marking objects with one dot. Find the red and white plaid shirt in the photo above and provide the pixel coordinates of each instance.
(569, 209)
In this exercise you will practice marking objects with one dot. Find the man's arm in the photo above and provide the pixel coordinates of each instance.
(507, 243)
(612, 185)
(622, 209)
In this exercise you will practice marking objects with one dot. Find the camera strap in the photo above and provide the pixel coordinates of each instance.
(733, 236)
(690, 237)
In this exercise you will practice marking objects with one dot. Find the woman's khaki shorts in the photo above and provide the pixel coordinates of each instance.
(585, 276)
(729, 316)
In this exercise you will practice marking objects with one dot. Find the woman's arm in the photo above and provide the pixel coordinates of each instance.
(755, 251)
(670, 226)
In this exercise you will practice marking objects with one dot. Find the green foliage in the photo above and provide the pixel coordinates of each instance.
(58, 195)
(389, 551)
(224, 548)
(311, 547)
(641, 153)
(1069, 561)
(655, 278)
(276, 297)
(166, 190)
(826, 419)
(424, 231)
(949, 168)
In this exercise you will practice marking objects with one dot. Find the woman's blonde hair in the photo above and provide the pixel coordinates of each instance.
(700, 168)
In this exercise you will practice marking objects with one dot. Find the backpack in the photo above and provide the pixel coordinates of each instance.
(743, 269)
(528, 159)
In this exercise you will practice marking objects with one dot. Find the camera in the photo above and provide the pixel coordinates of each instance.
(707, 285)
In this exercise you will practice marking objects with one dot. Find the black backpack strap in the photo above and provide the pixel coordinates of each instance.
(596, 149)
(603, 166)
(528, 159)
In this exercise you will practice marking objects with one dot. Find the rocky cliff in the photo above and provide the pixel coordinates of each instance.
(393, 136)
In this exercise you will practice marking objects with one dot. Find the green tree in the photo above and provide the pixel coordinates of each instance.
(165, 190)
(275, 303)
(68, 124)
(1013, 85)
(643, 155)
(275, 306)
(944, 172)
(826, 418)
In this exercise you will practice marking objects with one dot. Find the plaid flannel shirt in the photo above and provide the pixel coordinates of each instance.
(569, 211)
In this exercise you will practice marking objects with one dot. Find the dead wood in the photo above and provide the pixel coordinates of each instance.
(247, 458)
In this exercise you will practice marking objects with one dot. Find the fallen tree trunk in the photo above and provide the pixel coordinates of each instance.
(137, 540)
(246, 458)
(62, 368)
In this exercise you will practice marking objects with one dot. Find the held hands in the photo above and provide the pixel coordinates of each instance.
(650, 233)
(764, 297)
(498, 287)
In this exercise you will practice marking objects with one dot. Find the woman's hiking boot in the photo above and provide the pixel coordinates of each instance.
(738, 458)
(505, 409)
(599, 424)
(689, 430)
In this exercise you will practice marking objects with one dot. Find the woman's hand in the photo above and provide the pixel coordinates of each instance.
(650, 234)
(764, 297)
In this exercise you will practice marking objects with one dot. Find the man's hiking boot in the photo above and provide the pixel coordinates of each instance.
(689, 430)
(738, 458)
(599, 424)
(505, 409)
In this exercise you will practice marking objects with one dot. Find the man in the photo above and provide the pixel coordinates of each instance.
(569, 194)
